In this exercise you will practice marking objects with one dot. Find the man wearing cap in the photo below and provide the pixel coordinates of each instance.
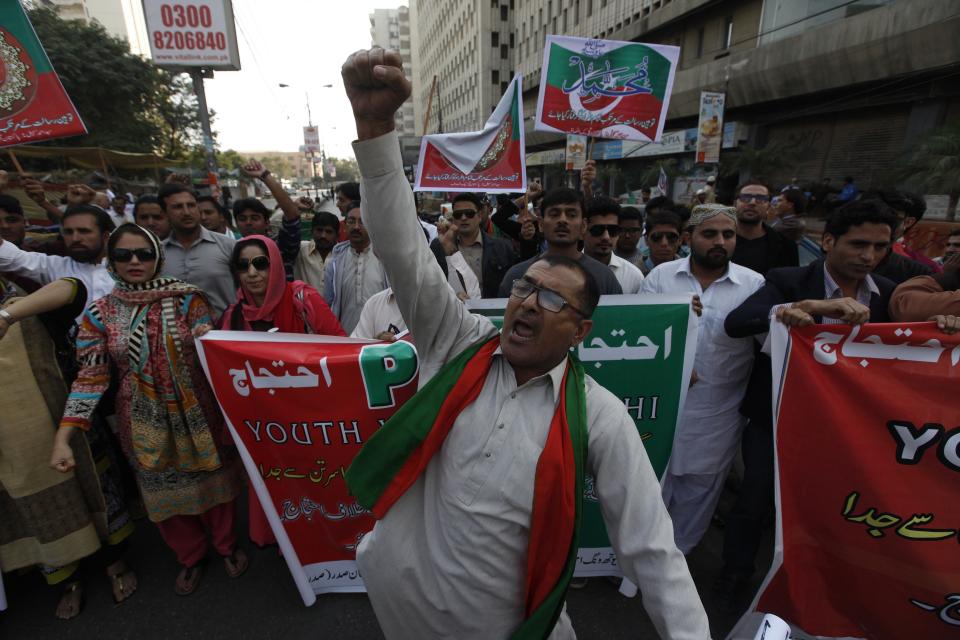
(709, 191)
(709, 429)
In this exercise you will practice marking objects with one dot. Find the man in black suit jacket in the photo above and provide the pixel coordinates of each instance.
(838, 289)
(488, 257)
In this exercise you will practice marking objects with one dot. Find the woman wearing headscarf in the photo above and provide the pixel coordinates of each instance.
(267, 302)
(170, 429)
(49, 519)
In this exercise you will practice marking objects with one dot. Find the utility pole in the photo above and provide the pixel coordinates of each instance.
(197, 75)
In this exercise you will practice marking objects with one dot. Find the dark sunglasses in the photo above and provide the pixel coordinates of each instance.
(126, 255)
(459, 213)
(597, 230)
(260, 263)
(657, 236)
(753, 197)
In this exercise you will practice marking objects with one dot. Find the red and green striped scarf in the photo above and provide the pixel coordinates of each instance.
(399, 452)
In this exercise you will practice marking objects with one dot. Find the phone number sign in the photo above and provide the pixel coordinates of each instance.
(192, 33)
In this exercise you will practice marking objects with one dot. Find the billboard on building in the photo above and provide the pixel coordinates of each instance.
(192, 33)
(710, 128)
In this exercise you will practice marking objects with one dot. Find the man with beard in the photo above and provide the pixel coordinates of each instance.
(758, 246)
(563, 227)
(194, 254)
(85, 230)
(353, 273)
(709, 429)
(488, 257)
(837, 289)
(603, 230)
(476, 481)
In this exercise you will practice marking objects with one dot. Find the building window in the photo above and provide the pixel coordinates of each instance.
(728, 33)
(589, 7)
(511, 40)
(504, 52)
(564, 20)
(495, 39)
(504, 12)
(495, 76)
(494, 4)
(503, 87)
(700, 42)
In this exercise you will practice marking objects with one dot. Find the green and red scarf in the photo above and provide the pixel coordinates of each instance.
(399, 452)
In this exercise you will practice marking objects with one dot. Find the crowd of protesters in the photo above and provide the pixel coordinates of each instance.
(121, 423)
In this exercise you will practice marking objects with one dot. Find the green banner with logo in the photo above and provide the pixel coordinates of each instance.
(641, 349)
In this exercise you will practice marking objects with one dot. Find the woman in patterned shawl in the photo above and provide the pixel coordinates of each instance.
(169, 426)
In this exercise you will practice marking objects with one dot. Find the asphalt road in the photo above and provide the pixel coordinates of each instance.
(264, 604)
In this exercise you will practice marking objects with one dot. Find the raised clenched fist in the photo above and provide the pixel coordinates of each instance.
(376, 87)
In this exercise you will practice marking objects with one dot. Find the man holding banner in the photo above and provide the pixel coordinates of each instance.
(476, 480)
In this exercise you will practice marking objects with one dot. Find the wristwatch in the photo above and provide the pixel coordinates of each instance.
(6, 316)
(263, 176)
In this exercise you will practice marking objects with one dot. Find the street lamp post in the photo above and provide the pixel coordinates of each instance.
(313, 166)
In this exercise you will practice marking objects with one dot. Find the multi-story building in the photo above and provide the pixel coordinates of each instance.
(390, 29)
(468, 48)
(121, 18)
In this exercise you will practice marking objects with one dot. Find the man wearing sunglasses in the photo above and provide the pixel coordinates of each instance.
(759, 247)
(662, 232)
(603, 231)
(457, 539)
(489, 258)
(563, 227)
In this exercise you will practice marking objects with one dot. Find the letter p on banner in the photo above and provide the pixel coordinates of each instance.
(385, 367)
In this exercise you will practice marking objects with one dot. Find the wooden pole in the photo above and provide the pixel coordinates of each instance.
(16, 162)
(426, 118)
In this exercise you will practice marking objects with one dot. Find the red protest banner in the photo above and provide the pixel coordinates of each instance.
(33, 103)
(868, 455)
(299, 408)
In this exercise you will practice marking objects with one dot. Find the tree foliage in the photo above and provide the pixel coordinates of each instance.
(125, 101)
(933, 165)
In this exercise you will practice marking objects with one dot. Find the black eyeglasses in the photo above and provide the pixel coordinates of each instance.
(753, 197)
(459, 213)
(547, 299)
(126, 255)
(657, 236)
(597, 230)
(260, 263)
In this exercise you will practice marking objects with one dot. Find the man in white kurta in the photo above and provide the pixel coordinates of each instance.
(448, 559)
(710, 426)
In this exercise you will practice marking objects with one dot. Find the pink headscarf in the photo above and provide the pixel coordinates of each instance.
(276, 286)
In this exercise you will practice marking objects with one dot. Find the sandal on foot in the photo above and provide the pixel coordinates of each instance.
(123, 581)
(188, 580)
(71, 602)
(236, 563)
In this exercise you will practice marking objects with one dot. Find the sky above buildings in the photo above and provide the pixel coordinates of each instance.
(301, 43)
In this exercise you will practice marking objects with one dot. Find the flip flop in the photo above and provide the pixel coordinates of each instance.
(188, 580)
(70, 591)
(236, 563)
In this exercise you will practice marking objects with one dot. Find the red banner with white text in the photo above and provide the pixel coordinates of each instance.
(868, 471)
(299, 408)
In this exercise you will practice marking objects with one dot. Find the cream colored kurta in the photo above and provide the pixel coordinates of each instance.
(448, 560)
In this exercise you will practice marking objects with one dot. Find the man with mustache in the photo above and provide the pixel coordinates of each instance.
(476, 480)
(563, 225)
(85, 230)
(759, 247)
(603, 230)
(837, 289)
(353, 273)
(710, 427)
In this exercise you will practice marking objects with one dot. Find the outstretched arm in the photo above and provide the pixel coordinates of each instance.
(440, 325)
(53, 296)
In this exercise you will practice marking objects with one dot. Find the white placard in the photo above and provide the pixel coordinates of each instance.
(192, 33)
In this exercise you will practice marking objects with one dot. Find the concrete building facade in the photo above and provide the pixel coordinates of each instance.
(390, 29)
(469, 49)
(121, 18)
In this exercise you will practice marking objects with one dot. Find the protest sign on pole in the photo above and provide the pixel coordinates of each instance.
(605, 88)
(299, 408)
(491, 160)
(311, 139)
(33, 103)
(710, 127)
(868, 472)
(576, 152)
(641, 349)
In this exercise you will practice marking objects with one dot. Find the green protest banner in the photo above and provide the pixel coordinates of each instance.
(641, 349)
